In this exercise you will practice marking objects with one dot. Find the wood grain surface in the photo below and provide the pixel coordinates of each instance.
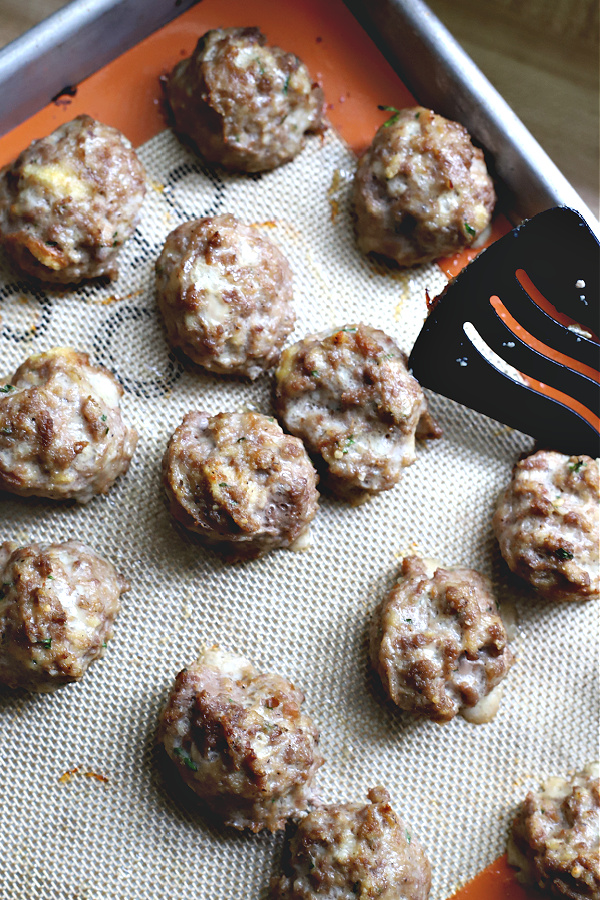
(542, 55)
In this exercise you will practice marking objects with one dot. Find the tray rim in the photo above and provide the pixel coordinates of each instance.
(80, 38)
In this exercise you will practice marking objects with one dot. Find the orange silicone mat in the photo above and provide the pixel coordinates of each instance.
(355, 78)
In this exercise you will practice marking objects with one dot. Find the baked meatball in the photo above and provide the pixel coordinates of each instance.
(61, 431)
(240, 483)
(58, 603)
(70, 201)
(225, 293)
(546, 524)
(555, 837)
(245, 105)
(350, 397)
(438, 642)
(421, 190)
(352, 850)
(240, 740)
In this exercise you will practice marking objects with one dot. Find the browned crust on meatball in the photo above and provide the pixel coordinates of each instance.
(351, 850)
(241, 742)
(225, 294)
(239, 482)
(555, 835)
(62, 435)
(244, 104)
(58, 604)
(421, 190)
(69, 202)
(438, 642)
(349, 396)
(547, 524)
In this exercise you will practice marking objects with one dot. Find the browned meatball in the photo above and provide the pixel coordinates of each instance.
(547, 526)
(555, 838)
(225, 293)
(421, 190)
(240, 483)
(70, 201)
(354, 850)
(244, 104)
(240, 740)
(350, 397)
(61, 431)
(58, 603)
(439, 644)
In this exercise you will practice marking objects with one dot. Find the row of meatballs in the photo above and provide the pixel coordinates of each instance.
(240, 740)
(70, 200)
(239, 483)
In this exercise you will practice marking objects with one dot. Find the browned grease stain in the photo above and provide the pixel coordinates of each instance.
(112, 299)
(270, 223)
(339, 180)
(89, 773)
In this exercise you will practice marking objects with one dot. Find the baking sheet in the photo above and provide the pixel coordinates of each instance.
(86, 806)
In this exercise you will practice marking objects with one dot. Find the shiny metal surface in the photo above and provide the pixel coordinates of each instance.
(70, 45)
(86, 34)
(441, 75)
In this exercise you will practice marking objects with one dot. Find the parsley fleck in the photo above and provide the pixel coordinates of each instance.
(186, 760)
(8, 431)
(392, 119)
(469, 229)
(50, 577)
(409, 621)
(408, 836)
(47, 643)
(417, 115)
(6, 388)
(104, 644)
(350, 330)
(351, 440)
(576, 466)
(239, 440)
(103, 417)
(286, 85)
(561, 553)
(314, 373)
(223, 484)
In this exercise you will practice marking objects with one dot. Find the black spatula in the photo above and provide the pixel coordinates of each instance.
(528, 305)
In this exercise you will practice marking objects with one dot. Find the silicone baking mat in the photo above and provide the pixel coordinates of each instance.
(87, 808)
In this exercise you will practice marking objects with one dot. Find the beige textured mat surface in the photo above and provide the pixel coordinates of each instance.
(134, 835)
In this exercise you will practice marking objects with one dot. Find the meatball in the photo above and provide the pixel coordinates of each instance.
(245, 105)
(61, 431)
(239, 739)
(352, 850)
(546, 524)
(58, 603)
(225, 293)
(555, 836)
(240, 483)
(421, 190)
(438, 642)
(350, 397)
(70, 201)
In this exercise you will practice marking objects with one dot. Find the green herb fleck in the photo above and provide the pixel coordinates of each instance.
(409, 621)
(392, 119)
(223, 484)
(186, 760)
(315, 373)
(6, 388)
(103, 417)
(239, 440)
(561, 553)
(350, 330)
(417, 115)
(47, 643)
(408, 836)
(576, 466)
(50, 577)
(7, 431)
(351, 440)
(469, 229)
(286, 85)
(104, 644)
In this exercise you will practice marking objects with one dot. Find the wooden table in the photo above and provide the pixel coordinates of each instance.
(542, 55)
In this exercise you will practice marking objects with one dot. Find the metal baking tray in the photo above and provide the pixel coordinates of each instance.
(83, 36)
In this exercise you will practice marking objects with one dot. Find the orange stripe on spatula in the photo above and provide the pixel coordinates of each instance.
(497, 882)
(544, 304)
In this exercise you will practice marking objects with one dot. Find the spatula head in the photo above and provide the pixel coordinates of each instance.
(514, 335)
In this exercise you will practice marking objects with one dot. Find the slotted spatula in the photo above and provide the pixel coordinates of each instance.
(514, 334)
